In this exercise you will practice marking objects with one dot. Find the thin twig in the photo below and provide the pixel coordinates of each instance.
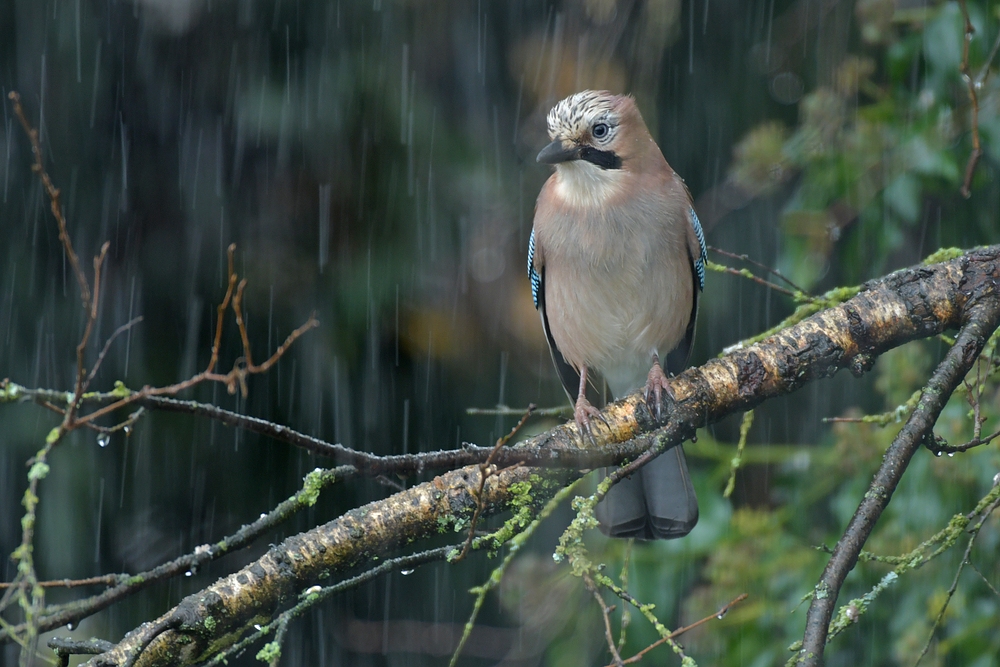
(616, 658)
(230, 379)
(759, 265)
(938, 446)
(486, 469)
(53, 192)
(985, 580)
(505, 411)
(744, 273)
(107, 345)
(366, 463)
(81, 382)
(623, 577)
(679, 631)
(737, 460)
(103, 580)
(973, 84)
(954, 582)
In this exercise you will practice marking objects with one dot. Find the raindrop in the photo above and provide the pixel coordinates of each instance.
(787, 87)
(70, 627)
(256, 626)
(325, 193)
(189, 573)
(938, 454)
(951, 454)
(103, 439)
(405, 572)
(721, 615)
(127, 429)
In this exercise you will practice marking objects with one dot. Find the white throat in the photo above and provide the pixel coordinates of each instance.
(581, 184)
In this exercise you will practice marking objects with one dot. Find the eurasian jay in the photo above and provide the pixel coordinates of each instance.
(616, 260)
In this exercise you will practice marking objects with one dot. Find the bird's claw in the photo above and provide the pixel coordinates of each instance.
(583, 413)
(656, 384)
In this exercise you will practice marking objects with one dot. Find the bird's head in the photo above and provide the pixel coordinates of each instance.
(592, 129)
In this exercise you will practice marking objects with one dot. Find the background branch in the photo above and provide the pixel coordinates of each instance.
(981, 320)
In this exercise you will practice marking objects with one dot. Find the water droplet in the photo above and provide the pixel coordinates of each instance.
(951, 454)
(103, 439)
(127, 429)
(256, 627)
(405, 572)
(188, 573)
(70, 626)
(720, 615)
(937, 454)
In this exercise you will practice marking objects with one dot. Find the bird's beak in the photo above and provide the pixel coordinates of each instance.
(556, 152)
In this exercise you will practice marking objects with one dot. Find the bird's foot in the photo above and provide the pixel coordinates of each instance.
(583, 412)
(656, 385)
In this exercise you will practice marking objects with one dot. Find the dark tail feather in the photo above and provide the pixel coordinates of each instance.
(658, 502)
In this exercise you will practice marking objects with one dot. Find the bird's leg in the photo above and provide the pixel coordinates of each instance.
(583, 410)
(656, 384)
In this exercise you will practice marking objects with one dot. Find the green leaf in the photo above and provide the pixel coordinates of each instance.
(903, 196)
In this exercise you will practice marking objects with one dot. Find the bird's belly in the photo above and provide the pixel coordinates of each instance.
(612, 321)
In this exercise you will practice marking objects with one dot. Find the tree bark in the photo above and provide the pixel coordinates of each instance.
(912, 303)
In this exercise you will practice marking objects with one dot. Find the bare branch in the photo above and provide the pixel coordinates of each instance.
(53, 193)
(981, 320)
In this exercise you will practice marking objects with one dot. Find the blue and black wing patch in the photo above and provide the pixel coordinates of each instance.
(536, 280)
(699, 262)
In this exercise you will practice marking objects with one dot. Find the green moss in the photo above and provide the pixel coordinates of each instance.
(210, 624)
(9, 392)
(39, 470)
(943, 255)
(270, 653)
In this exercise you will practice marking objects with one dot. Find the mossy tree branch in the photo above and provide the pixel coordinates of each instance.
(914, 303)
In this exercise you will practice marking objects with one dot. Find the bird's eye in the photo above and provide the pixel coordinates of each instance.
(600, 130)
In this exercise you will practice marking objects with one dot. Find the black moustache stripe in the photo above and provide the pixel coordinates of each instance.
(603, 159)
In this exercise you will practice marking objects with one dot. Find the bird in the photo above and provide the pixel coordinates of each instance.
(616, 262)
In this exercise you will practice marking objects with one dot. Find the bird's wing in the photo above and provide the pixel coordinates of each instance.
(597, 392)
(678, 359)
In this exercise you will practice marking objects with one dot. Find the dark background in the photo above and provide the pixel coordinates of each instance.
(374, 162)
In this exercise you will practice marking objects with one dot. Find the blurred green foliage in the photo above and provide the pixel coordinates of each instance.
(885, 134)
